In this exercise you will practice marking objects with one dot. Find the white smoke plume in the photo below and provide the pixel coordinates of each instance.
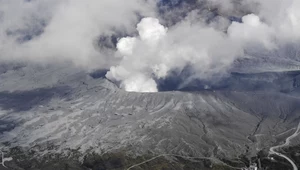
(65, 30)
(158, 50)
(68, 30)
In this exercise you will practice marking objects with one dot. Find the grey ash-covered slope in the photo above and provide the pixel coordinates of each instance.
(67, 108)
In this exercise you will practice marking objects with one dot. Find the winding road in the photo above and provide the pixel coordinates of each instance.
(5, 160)
(185, 157)
(287, 143)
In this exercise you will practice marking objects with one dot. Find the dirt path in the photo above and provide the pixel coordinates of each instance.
(287, 143)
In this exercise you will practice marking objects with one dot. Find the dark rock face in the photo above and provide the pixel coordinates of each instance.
(121, 160)
(112, 161)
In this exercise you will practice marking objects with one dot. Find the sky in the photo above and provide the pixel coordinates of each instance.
(139, 44)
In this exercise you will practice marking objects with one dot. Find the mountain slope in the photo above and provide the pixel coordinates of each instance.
(53, 109)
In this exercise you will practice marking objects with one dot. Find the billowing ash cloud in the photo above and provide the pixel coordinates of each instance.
(142, 46)
(65, 30)
(158, 50)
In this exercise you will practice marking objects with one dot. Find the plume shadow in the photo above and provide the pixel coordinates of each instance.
(18, 101)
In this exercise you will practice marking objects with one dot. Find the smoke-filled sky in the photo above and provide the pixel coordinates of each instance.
(143, 41)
